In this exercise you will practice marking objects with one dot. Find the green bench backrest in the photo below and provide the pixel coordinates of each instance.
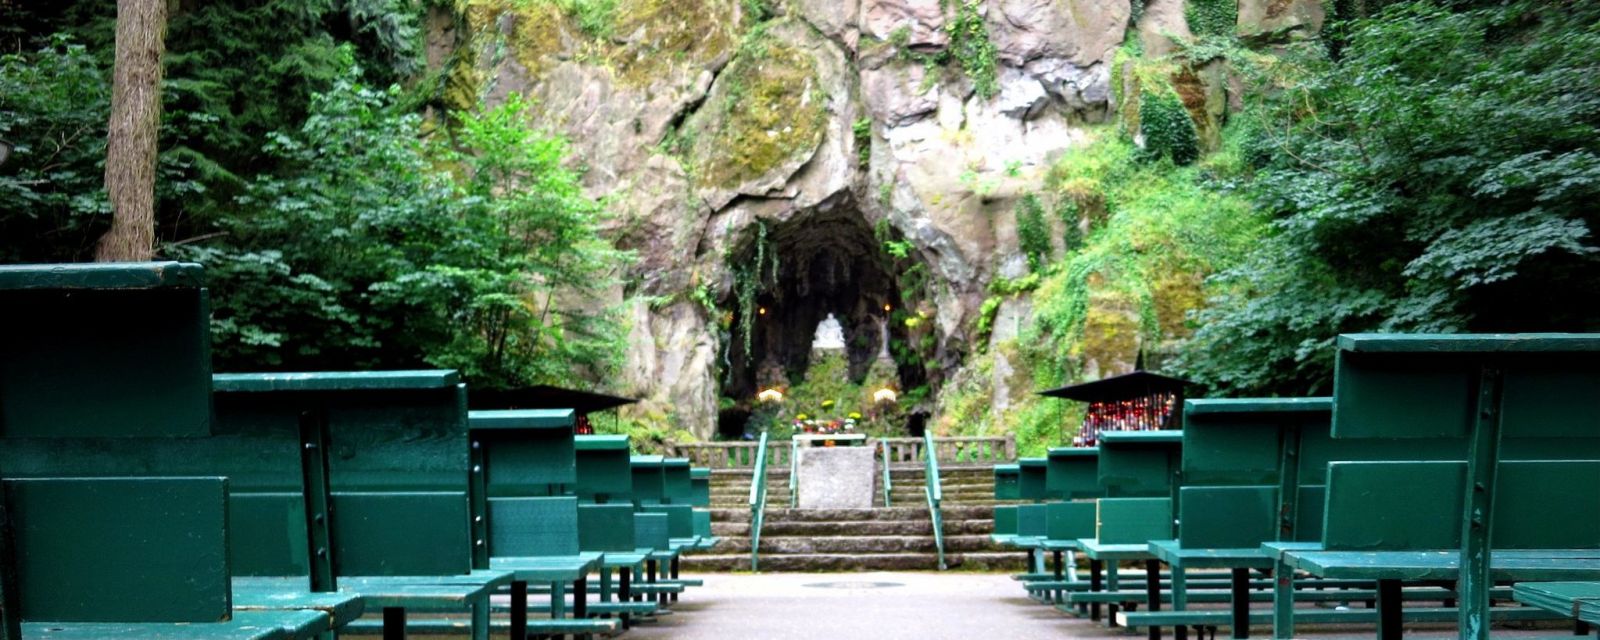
(680, 518)
(1227, 517)
(700, 487)
(1399, 506)
(604, 473)
(1033, 520)
(1032, 476)
(649, 480)
(650, 531)
(527, 452)
(1006, 483)
(120, 549)
(537, 526)
(702, 522)
(148, 371)
(1069, 520)
(1005, 519)
(1139, 463)
(677, 486)
(1073, 473)
(1133, 520)
(605, 527)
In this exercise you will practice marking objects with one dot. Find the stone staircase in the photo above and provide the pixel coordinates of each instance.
(895, 538)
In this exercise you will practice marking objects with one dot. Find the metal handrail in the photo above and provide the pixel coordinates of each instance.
(935, 496)
(758, 503)
(888, 486)
(794, 474)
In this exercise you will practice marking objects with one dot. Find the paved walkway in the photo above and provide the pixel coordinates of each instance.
(892, 606)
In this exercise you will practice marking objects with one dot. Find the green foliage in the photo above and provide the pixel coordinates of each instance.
(754, 269)
(1071, 216)
(370, 247)
(863, 133)
(596, 18)
(1168, 130)
(1033, 233)
(53, 106)
(971, 48)
(756, 11)
(1212, 17)
(1439, 177)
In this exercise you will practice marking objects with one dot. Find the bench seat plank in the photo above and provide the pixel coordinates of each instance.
(1169, 552)
(288, 594)
(550, 568)
(1222, 617)
(1579, 600)
(245, 625)
(452, 627)
(1555, 564)
(1137, 551)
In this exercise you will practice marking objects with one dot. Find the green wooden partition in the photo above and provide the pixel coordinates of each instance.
(604, 472)
(700, 489)
(1031, 479)
(1007, 483)
(1073, 473)
(528, 459)
(677, 487)
(1139, 463)
(649, 480)
(65, 337)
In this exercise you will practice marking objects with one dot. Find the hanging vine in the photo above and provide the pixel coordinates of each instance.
(748, 281)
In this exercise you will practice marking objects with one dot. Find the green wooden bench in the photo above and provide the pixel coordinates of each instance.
(700, 477)
(1522, 404)
(399, 529)
(607, 519)
(1006, 487)
(527, 460)
(1139, 471)
(1579, 600)
(150, 414)
(160, 572)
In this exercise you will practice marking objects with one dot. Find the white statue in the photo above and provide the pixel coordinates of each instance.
(830, 335)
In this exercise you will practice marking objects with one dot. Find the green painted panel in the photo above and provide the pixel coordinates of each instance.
(251, 462)
(121, 549)
(1133, 520)
(1547, 505)
(1374, 506)
(678, 489)
(1552, 397)
(1033, 520)
(1032, 474)
(603, 475)
(1473, 343)
(267, 534)
(680, 518)
(1074, 473)
(1232, 448)
(597, 442)
(1137, 471)
(702, 522)
(1227, 517)
(605, 527)
(1206, 406)
(149, 372)
(400, 534)
(1069, 520)
(650, 531)
(1005, 519)
(1310, 507)
(1006, 483)
(1402, 395)
(649, 482)
(533, 526)
(412, 440)
(700, 488)
(528, 462)
(335, 381)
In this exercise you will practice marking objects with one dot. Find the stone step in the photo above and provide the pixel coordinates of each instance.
(872, 528)
(858, 545)
(984, 560)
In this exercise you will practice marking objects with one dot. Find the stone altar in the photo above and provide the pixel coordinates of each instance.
(835, 477)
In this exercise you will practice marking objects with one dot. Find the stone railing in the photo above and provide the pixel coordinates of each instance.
(983, 450)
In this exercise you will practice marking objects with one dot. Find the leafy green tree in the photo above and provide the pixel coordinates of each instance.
(1439, 177)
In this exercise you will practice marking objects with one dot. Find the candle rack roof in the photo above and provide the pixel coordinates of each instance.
(1124, 387)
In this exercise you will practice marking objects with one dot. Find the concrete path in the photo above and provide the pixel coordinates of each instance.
(910, 606)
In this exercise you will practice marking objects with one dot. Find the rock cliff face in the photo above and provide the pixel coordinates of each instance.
(914, 121)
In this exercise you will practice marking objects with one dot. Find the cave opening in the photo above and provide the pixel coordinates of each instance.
(790, 277)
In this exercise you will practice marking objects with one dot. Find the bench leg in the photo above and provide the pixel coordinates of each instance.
(1152, 592)
(1055, 594)
(1241, 603)
(624, 577)
(480, 617)
(1180, 600)
(558, 601)
(1389, 618)
(1580, 628)
(1282, 600)
(519, 610)
(580, 598)
(1094, 586)
(394, 623)
(1112, 584)
(674, 575)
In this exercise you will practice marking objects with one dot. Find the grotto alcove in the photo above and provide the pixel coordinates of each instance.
(789, 276)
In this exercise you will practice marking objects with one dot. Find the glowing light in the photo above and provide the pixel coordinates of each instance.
(888, 307)
(770, 395)
(885, 395)
(761, 310)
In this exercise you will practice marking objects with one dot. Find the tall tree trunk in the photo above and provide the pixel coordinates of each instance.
(135, 121)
